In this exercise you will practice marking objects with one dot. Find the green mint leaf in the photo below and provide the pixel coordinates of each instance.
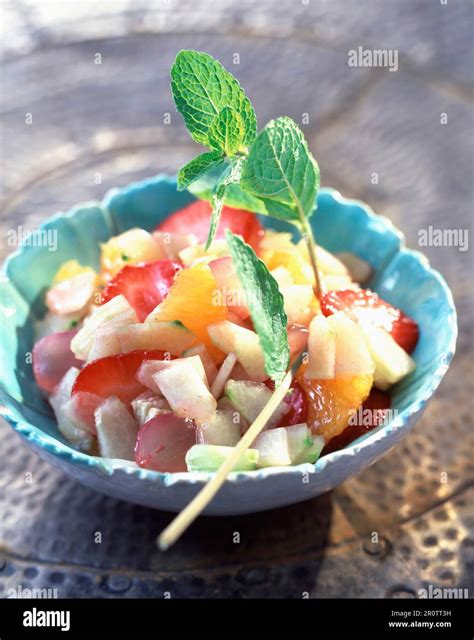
(227, 132)
(202, 88)
(230, 176)
(281, 171)
(266, 306)
(197, 167)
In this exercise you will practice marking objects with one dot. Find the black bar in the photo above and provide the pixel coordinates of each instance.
(165, 618)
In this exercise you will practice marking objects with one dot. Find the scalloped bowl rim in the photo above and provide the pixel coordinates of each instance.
(108, 466)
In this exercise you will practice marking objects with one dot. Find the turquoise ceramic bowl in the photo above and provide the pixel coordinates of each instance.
(402, 277)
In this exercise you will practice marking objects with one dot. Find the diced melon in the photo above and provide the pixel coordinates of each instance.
(230, 337)
(223, 375)
(297, 299)
(224, 404)
(105, 343)
(360, 270)
(132, 246)
(207, 362)
(172, 243)
(185, 390)
(250, 398)
(321, 350)
(352, 354)
(116, 430)
(147, 370)
(147, 406)
(208, 457)
(392, 363)
(221, 429)
(81, 439)
(115, 313)
(299, 441)
(273, 448)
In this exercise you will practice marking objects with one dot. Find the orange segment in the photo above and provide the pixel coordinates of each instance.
(331, 402)
(193, 301)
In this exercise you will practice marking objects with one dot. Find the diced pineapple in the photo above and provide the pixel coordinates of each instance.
(69, 269)
(132, 246)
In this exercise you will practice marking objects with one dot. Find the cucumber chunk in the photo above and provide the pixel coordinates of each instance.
(209, 457)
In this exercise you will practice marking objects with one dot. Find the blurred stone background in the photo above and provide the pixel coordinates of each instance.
(402, 141)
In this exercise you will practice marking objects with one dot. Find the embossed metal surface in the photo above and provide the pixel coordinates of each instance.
(99, 125)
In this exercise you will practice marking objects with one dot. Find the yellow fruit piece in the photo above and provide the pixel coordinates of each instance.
(332, 402)
(69, 269)
(131, 247)
(293, 261)
(194, 301)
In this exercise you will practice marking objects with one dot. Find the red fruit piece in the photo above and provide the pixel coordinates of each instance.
(195, 219)
(115, 375)
(52, 357)
(162, 443)
(297, 405)
(372, 414)
(143, 285)
(367, 306)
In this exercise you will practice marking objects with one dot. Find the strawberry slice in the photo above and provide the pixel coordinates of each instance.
(115, 375)
(366, 306)
(143, 285)
(195, 219)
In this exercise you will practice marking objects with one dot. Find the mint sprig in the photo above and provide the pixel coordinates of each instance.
(265, 304)
(273, 173)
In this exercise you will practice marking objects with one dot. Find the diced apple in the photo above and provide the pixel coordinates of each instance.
(360, 270)
(392, 363)
(352, 354)
(172, 243)
(81, 439)
(223, 375)
(321, 350)
(113, 314)
(150, 367)
(273, 448)
(207, 362)
(208, 457)
(116, 430)
(297, 299)
(147, 406)
(185, 390)
(229, 337)
(221, 429)
(250, 398)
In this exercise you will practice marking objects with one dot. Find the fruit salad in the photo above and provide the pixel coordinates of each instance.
(155, 359)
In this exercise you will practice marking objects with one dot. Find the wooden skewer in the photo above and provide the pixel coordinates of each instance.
(182, 521)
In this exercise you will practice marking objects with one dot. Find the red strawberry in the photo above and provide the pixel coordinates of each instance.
(143, 285)
(115, 375)
(195, 219)
(376, 404)
(365, 305)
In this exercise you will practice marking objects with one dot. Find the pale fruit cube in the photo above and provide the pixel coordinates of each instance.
(222, 429)
(116, 430)
(230, 337)
(207, 362)
(352, 354)
(273, 448)
(392, 363)
(81, 439)
(297, 299)
(132, 246)
(172, 243)
(321, 350)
